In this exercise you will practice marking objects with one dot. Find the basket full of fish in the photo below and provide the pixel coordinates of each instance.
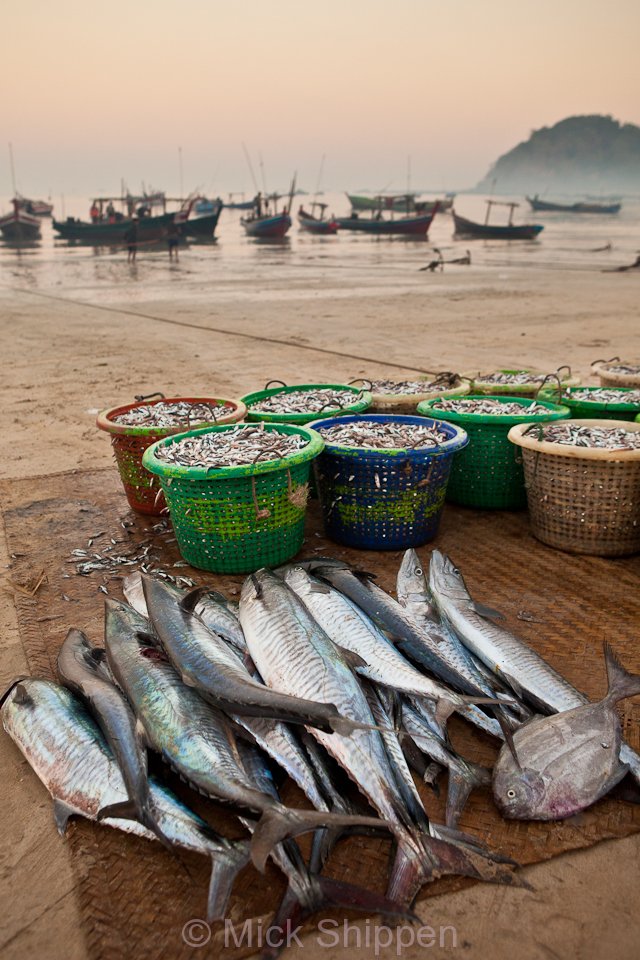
(237, 494)
(135, 426)
(488, 473)
(582, 479)
(602, 403)
(303, 403)
(382, 478)
(300, 677)
(617, 373)
(403, 396)
(520, 383)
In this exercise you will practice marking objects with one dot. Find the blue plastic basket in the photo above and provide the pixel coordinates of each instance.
(384, 499)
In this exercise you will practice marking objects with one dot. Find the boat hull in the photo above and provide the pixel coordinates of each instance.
(149, 228)
(267, 228)
(546, 206)
(19, 226)
(486, 231)
(321, 227)
(201, 227)
(404, 226)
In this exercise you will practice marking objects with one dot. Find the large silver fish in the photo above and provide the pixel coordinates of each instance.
(68, 753)
(567, 761)
(504, 653)
(83, 669)
(292, 652)
(193, 737)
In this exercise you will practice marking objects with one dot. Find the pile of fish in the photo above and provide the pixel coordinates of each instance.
(603, 395)
(409, 387)
(372, 435)
(489, 407)
(316, 673)
(164, 414)
(306, 401)
(241, 445)
(575, 435)
(631, 369)
(518, 377)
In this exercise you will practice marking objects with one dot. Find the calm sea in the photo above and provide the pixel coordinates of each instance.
(236, 267)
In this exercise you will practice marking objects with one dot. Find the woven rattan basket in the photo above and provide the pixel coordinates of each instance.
(609, 377)
(129, 444)
(582, 500)
(406, 403)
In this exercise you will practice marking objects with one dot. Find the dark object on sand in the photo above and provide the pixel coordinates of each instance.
(630, 266)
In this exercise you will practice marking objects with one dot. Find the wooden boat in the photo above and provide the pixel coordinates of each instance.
(202, 228)
(313, 223)
(581, 207)
(243, 204)
(264, 222)
(417, 226)
(490, 231)
(112, 233)
(19, 226)
(37, 208)
(398, 202)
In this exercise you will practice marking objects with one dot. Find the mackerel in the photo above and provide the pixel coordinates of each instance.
(70, 756)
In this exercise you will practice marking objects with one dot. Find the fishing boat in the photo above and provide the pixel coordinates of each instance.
(489, 231)
(243, 204)
(264, 222)
(108, 226)
(314, 222)
(19, 226)
(378, 225)
(204, 206)
(37, 208)
(203, 227)
(582, 207)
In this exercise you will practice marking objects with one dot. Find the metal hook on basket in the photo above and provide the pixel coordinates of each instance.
(268, 384)
(552, 376)
(565, 366)
(593, 362)
(149, 396)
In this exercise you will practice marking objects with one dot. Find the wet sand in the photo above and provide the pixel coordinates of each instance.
(62, 360)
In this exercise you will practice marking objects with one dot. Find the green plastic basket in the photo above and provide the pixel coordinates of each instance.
(238, 519)
(488, 473)
(594, 409)
(361, 401)
(520, 390)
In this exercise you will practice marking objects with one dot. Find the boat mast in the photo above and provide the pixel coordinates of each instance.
(13, 172)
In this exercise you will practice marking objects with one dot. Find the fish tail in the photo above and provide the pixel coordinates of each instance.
(622, 684)
(319, 894)
(225, 866)
(142, 813)
(278, 823)
(461, 783)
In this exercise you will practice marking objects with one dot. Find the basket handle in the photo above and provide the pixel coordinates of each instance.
(149, 396)
(363, 380)
(281, 382)
(593, 362)
(565, 366)
(552, 376)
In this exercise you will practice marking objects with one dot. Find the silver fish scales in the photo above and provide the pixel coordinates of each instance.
(240, 446)
(306, 401)
(577, 435)
(602, 395)
(489, 407)
(175, 414)
(382, 436)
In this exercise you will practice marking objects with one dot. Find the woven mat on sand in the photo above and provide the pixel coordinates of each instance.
(135, 898)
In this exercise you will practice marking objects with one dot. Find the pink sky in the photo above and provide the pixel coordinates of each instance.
(98, 91)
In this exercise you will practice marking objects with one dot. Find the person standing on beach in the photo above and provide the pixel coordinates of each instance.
(173, 239)
(131, 239)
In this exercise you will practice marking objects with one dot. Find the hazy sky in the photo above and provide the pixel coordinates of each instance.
(92, 92)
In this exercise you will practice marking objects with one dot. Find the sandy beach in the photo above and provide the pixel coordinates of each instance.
(67, 354)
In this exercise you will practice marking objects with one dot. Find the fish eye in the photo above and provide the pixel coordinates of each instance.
(511, 794)
(418, 571)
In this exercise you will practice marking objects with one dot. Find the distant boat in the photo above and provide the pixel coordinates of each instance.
(489, 231)
(398, 202)
(582, 207)
(264, 222)
(37, 208)
(204, 206)
(313, 223)
(19, 226)
(378, 225)
(243, 204)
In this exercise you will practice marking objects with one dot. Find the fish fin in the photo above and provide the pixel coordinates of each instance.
(507, 733)
(257, 586)
(513, 683)
(62, 813)
(22, 698)
(125, 810)
(225, 867)
(280, 822)
(488, 613)
(355, 661)
(190, 600)
(319, 587)
(622, 684)
(461, 783)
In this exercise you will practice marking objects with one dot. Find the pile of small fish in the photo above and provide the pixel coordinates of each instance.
(488, 407)
(519, 377)
(306, 401)
(574, 435)
(175, 414)
(302, 675)
(603, 395)
(244, 444)
(409, 387)
(631, 369)
(369, 435)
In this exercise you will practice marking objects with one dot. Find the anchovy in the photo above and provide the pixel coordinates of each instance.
(569, 760)
(68, 753)
(206, 663)
(82, 668)
(505, 654)
(196, 740)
